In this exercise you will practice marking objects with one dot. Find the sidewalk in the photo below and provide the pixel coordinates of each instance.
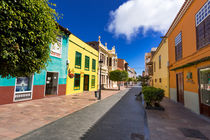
(119, 117)
(176, 123)
(20, 118)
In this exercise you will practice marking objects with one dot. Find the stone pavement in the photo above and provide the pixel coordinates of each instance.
(20, 118)
(119, 117)
(177, 123)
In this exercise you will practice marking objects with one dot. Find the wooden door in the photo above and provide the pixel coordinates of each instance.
(86, 82)
(204, 91)
(180, 87)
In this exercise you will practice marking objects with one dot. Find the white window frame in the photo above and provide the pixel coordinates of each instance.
(32, 85)
(201, 12)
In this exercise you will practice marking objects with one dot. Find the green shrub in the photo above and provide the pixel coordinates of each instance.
(152, 96)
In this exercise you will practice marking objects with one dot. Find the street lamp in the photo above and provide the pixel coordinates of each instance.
(99, 96)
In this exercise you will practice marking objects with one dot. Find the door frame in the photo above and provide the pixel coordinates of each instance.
(46, 82)
(199, 93)
(177, 86)
(88, 82)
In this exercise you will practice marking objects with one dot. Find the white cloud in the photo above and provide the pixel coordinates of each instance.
(134, 15)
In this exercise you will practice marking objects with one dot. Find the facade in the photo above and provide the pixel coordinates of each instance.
(149, 65)
(160, 78)
(122, 64)
(189, 56)
(49, 82)
(82, 67)
(109, 58)
(131, 74)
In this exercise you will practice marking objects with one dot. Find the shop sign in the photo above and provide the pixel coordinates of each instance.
(56, 48)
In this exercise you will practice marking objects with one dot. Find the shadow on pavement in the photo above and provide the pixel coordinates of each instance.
(124, 121)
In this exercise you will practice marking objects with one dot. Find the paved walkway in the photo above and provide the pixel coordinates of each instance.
(20, 118)
(177, 123)
(119, 117)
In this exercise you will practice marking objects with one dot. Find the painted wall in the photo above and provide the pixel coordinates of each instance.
(7, 86)
(189, 54)
(76, 44)
(163, 71)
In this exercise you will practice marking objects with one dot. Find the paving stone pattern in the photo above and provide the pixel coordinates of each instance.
(177, 123)
(118, 117)
(20, 118)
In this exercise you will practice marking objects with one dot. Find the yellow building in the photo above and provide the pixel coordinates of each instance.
(160, 78)
(82, 67)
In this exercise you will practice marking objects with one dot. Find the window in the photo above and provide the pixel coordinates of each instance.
(204, 83)
(87, 62)
(110, 61)
(93, 81)
(155, 80)
(56, 48)
(93, 65)
(154, 67)
(78, 60)
(203, 26)
(159, 61)
(107, 61)
(160, 80)
(23, 88)
(178, 46)
(77, 82)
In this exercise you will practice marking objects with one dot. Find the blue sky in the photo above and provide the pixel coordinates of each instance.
(133, 26)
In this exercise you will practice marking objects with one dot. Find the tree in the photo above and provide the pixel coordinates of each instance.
(118, 75)
(145, 80)
(27, 29)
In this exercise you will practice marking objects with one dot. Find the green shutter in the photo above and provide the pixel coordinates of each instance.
(78, 60)
(94, 65)
(93, 81)
(87, 62)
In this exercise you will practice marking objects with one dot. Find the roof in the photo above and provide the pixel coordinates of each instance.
(94, 44)
(178, 17)
(65, 30)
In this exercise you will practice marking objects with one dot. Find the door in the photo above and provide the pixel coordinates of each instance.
(51, 83)
(180, 87)
(204, 91)
(86, 82)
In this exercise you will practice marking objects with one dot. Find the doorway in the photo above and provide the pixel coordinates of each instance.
(180, 87)
(204, 91)
(51, 83)
(86, 82)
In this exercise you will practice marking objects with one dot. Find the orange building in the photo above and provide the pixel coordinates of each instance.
(189, 56)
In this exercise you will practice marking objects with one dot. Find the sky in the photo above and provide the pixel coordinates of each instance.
(132, 26)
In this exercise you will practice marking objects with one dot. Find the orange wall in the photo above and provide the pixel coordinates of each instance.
(189, 50)
(188, 28)
(189, 85)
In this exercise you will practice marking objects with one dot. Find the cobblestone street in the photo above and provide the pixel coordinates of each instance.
(119, 117)
(20, 118)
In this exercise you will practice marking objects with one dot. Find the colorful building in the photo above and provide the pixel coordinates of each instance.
(51, 81)
(160, 77)
(189, 56)
(82, 67)
(149, 65)
(109, 58)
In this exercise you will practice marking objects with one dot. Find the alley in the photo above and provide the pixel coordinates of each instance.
(118, 117)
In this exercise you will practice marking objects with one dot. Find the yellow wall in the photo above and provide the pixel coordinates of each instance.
(163, 71)
(75, 44)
